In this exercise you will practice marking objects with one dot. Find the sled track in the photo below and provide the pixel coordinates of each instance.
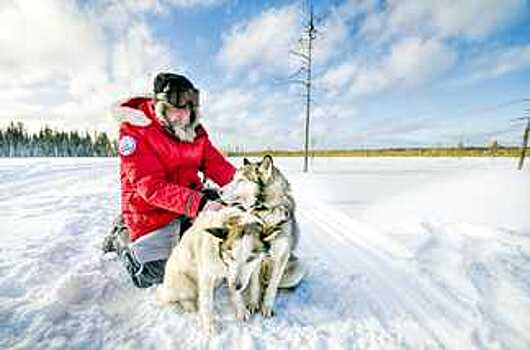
(396, 295)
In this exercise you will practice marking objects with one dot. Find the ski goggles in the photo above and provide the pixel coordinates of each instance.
(180, 98)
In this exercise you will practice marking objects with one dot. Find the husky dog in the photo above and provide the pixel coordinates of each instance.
(262, 190)
(220, 244)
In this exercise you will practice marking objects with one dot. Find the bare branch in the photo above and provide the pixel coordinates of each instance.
(305, 57)
(295, 74)
(282, 81)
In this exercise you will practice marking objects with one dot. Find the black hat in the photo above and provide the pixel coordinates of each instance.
(175, 82)
(176, 88)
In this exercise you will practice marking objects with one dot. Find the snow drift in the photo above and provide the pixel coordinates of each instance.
(402, 253)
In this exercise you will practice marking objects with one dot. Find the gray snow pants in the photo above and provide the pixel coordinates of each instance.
(145, 259)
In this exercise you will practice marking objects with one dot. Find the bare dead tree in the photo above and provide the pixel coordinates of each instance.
(525, 140)
(304, 54)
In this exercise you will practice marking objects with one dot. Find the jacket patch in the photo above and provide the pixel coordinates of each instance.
(127, 146)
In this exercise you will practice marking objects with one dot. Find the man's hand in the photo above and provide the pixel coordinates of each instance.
(210, 200)
(212, 206)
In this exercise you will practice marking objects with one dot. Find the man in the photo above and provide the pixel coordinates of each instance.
(162, 149)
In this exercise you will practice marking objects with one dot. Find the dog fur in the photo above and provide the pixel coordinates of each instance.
(220, 244)
(262, 190)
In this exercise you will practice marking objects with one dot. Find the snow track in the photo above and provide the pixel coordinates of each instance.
(379, 277)
(388, 288)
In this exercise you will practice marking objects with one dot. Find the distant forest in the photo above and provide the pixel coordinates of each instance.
(15, 141)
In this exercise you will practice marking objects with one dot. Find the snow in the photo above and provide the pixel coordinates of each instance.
(401, 253)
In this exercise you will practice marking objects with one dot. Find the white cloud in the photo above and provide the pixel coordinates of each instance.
(475, 19)
(331, 36)
(263, 41)
(119, 10)
(411, 62)
(47, 63)
(231, 100)
(194, 3)
(472, 19)
(251, 117)
(229, 107)
(335, 79)
(86, 61)
(131, 6)
(500, 62)
(134, 61)
(414, 61)
(36, 48)
(428, 56)
(334, 31)
(137, 56)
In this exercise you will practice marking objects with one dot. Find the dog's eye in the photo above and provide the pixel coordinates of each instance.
(250, 258)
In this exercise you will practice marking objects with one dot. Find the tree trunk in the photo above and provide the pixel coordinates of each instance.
(525, 144)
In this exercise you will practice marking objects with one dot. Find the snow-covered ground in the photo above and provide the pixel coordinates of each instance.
(401, 253)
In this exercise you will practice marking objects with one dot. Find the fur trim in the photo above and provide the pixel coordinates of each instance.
(130, 115)
(185, 133)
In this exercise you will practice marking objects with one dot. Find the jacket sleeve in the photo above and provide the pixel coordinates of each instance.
(215, 166)
(145, 172)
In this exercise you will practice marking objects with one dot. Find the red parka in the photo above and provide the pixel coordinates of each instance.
(159, 173)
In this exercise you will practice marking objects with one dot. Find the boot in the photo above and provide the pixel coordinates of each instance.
(143, 275)
(117, 238)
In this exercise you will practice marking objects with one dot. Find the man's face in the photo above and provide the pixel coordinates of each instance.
(178, 117)
(177, 111)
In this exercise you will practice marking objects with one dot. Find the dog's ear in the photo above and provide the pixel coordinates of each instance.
(265, 167)
(219, 232)
(268, 158)
(246, 161)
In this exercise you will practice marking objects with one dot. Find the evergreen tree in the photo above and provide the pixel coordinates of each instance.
(15, 141)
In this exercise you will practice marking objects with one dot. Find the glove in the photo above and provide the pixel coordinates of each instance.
(210, 200)
(211, 194)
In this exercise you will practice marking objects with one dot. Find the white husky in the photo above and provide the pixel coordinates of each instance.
(261, 189)
(220, 244)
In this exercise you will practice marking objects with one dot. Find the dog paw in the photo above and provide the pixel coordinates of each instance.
(243, 314)
(266, 311)
(253, 307)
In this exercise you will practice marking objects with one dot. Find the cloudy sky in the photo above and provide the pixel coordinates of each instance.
(386, 73)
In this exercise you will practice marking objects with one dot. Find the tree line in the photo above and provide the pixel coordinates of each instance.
(16, 141)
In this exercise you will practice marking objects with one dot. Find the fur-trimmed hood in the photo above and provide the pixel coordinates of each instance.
(130, 111)
(144, 110)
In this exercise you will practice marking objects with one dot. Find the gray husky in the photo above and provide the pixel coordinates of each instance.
(224, 244)
(261, 189)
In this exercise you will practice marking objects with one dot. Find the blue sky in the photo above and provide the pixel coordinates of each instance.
(386, 73)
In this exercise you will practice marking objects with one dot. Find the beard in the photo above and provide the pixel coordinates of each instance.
(181, 128)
